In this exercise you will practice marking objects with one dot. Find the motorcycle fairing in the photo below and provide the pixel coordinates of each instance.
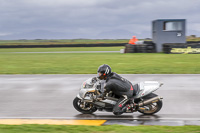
(147, 87)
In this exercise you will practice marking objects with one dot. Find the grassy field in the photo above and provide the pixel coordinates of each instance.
(71, 41)
(61, 49)
(97, 129)
(87, 63)
(64, 41)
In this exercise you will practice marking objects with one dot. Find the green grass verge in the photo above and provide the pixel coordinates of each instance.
(70, 41)
(97, 129)
(61, 49)
(62, 41)
(87, 63)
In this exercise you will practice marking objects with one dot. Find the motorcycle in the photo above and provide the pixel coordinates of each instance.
(145, 101)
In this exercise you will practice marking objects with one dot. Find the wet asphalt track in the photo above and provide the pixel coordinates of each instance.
(51, 96)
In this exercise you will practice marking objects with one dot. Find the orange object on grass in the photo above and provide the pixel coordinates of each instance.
(133, 40)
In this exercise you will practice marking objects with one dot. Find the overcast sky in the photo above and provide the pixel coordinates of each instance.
(92, 19)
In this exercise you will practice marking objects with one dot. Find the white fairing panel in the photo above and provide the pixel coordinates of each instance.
(147, 87)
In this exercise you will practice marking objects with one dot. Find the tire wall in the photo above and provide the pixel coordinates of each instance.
(179, 48)
(147, 47)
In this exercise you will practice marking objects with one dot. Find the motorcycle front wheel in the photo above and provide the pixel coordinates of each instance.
(151, 108)
(83, 107)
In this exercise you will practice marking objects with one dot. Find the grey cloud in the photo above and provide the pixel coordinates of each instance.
(91, 18)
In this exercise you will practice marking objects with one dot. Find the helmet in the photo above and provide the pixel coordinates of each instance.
(103, 71)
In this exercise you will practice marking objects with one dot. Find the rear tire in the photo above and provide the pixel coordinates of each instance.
(151, 108)
(83, 107)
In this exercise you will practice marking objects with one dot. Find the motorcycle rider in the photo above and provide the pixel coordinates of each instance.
(118, 85)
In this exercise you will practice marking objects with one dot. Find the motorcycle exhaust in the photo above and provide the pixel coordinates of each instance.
(150, 101)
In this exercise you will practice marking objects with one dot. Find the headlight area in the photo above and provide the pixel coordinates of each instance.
(86, 85)
(89, 96)
(83, 92)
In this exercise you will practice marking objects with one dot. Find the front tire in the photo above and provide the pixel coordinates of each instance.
(83, 107)
(151, 108)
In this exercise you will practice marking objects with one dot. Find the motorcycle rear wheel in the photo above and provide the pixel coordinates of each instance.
(151, 108)
(83, 107)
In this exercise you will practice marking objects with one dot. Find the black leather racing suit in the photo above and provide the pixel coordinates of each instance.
(120, 87)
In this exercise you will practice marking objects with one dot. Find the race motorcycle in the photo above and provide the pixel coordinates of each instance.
(145, 101)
